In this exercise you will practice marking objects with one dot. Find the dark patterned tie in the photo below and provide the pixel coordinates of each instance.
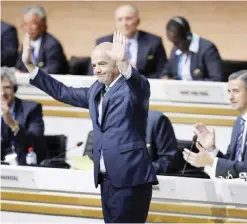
(240, 139)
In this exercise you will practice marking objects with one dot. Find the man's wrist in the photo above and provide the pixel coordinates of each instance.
(211, 148)
(124, 68)
(30, 67)
(14, 125)
(211, 160)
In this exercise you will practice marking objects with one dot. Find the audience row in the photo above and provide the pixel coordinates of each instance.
(192, 56)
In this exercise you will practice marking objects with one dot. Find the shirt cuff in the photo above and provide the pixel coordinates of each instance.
(34, 73)
(214, 152)
(128, 73)
(211, 170)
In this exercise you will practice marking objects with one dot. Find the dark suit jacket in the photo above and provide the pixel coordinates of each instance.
(151, 55)
(205, 64)
(226, 162)
(9, 45)
(121, 134)
(51, 56)
(161, 140)
(30, 118)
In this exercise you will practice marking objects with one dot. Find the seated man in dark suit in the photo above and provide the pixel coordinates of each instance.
(22, 123)
(161, 141)
(9, 45)
(235, 160)
(193, 57)
(144, 50)
(47, 52)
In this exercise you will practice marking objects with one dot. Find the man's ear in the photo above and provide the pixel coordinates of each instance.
(138, 22)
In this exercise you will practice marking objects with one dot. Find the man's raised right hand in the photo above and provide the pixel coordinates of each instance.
(26, 53)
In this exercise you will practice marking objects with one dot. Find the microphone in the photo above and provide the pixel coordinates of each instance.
(192, 148)
(46, 162)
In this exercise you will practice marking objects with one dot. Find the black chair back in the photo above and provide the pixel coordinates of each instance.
(89, 146)
(56, 145)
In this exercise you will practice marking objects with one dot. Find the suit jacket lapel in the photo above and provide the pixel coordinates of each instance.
(96, 100)
(234, 137)
(141, 52)
(193, 63)
(41, 51)
(245, 150)
(19, 112)
(107, 96)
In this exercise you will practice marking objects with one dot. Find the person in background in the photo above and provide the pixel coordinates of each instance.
(47, 52)
(9, 45)
(215, 163)
(144, 50)
(161, 141)
(22, 124)
(192, 57)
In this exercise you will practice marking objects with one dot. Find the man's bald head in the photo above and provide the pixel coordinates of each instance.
(127, 19)
(127, 8)
(101, 49)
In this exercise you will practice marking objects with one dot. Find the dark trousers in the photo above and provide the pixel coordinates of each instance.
(125, 205)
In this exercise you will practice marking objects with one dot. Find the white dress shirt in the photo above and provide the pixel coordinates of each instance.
(211, 170)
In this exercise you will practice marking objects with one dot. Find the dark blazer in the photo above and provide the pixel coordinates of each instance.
(151, 55)
(121, 134)
(205, 64)
(51, 56)
(30, 118)
(161, 141)
(226, 162)
(9, 45)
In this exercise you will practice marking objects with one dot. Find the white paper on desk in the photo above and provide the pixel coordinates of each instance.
(81, 163)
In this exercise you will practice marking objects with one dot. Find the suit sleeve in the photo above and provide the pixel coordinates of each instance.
(166, 144)
(160, 59)
(77, 97)
(167, 68)
(56, 60)
(225, 166)
(138, 83)
(214, 64)
(33, 133)
(9, 47)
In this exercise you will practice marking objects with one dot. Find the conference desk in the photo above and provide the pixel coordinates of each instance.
(70, 193)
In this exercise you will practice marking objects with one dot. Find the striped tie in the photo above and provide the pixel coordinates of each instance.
(240, 139)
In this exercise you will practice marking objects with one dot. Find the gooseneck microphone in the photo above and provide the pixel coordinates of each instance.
(194, 140)
(48, 161)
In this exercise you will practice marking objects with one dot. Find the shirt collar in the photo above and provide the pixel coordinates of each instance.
(36, 43)
(111, 85)
(194, 45)
(244, 116)
(134, 38)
